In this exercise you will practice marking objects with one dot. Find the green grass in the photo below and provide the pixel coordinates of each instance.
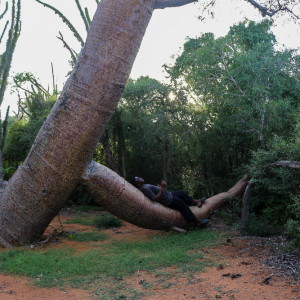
(88, 236)
(64, 267)
(102, 222)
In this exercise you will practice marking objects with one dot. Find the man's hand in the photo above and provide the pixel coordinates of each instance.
(163, 184)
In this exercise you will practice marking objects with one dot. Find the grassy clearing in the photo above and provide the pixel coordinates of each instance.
(64, 267)
(104, 268)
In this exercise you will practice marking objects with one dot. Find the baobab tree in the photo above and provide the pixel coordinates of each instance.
(61, 155)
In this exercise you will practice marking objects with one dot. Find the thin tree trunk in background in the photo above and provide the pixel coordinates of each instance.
(262, 123)
(123, 162)
(66, 142)
(246, 204)
(165, 160)
(108, 153)
(1, 166)
(119, 197)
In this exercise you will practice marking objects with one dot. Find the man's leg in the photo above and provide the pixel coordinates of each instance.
(184, 197)
(179, 204)
(188, 199)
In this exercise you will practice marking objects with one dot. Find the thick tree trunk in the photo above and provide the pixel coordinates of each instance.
(119, 197)
(67, 139)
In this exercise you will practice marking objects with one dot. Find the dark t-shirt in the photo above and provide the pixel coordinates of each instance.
(151, 191)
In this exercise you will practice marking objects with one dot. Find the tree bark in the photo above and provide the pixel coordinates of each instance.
(66, 142)
(119, 197)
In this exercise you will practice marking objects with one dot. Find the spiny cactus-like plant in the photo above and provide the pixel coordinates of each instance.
(13, 35)
(86, 20)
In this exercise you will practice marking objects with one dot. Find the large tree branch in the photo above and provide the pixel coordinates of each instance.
(263, 9)
(160, 4)
(122, 199)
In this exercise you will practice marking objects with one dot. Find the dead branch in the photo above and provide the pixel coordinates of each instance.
(286, 164)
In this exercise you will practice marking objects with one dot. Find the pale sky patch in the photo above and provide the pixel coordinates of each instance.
(38, 45)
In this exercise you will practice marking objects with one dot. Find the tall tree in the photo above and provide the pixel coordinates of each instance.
(65, 144)
(67, 139)
(246, 91)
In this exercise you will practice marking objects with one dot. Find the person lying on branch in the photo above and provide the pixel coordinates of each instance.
(178, 200)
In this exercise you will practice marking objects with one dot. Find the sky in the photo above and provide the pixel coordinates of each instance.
(169, 28)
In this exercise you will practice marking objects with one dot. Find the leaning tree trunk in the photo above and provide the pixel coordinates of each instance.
(119, 197)
(68, 138)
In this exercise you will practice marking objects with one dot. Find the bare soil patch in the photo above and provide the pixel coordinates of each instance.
(241, 270)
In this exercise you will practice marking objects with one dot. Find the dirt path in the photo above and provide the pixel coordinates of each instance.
(238, 274)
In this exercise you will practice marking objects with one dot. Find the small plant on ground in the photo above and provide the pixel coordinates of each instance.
(106, 221)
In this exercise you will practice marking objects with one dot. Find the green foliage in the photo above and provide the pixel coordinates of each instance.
(18, 142)
(259, 227)
(35, 103)
(244, 90)
(293, 232)
(275, 187)
(292, 227)
(79, 196)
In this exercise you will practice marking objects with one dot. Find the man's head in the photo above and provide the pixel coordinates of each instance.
(138, 181)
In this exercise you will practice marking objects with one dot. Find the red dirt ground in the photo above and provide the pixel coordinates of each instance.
(239, 275)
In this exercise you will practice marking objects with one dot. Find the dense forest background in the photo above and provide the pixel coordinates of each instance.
(231, 107)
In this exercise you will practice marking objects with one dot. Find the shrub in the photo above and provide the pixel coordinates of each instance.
(293, 232)
(292, 229)
(106, 221)
(259, 227)
(275, 187)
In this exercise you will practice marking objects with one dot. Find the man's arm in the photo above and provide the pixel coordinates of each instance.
(162, 188)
